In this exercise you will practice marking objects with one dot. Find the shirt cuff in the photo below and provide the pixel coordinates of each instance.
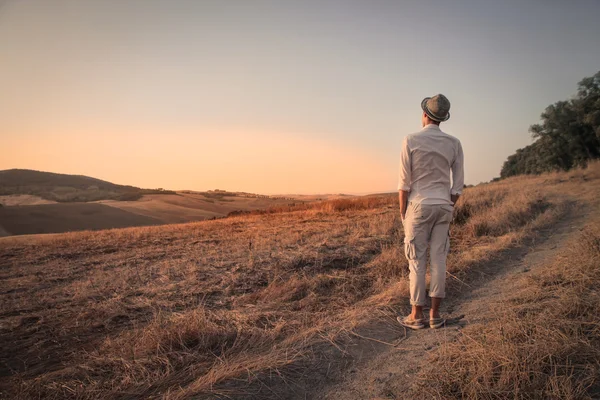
(456, 192)
(406, 188)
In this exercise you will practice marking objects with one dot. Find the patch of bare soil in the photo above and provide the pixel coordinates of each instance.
(3, 232)
(23, 200)
(67, 217)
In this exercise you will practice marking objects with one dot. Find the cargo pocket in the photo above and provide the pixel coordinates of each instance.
(409, 249)
(447, 244)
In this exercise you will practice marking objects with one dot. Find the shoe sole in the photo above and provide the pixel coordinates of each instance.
(438, 325)
(415, 327)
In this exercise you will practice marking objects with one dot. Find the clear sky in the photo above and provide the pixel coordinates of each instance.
(277, 96)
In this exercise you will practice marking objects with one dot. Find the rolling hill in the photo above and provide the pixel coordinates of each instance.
(28, 204)
(63, 188)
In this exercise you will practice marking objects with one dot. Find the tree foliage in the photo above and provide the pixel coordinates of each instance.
(567, 137)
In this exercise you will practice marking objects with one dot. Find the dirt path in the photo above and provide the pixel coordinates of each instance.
(380, 371)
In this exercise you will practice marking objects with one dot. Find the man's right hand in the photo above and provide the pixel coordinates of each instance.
(403, 200)
(454, 199)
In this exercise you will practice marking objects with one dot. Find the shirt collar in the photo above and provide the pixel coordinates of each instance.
(432, 126)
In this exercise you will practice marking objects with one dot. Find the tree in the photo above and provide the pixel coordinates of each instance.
(588, 102)
(567, 137)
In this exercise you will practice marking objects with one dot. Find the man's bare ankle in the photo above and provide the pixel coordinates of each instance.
(417, 316)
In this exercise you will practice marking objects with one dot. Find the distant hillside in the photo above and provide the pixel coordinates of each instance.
(67, 188)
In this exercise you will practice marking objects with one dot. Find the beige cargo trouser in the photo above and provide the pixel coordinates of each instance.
(427, 224)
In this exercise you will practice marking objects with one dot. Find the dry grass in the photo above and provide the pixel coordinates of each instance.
(336, 205)
(184, 310)
(543, 343)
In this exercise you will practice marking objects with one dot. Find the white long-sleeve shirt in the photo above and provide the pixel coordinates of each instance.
(427, 159)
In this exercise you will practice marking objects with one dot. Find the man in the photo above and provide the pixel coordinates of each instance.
(427, 196)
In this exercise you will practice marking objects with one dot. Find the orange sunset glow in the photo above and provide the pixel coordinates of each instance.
(246, 161)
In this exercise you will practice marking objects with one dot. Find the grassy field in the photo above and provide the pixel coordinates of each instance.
(210, 308)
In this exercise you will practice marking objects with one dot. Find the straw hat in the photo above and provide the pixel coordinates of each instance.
(437, 107)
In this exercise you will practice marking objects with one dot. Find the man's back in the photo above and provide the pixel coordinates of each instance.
(427, 158)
